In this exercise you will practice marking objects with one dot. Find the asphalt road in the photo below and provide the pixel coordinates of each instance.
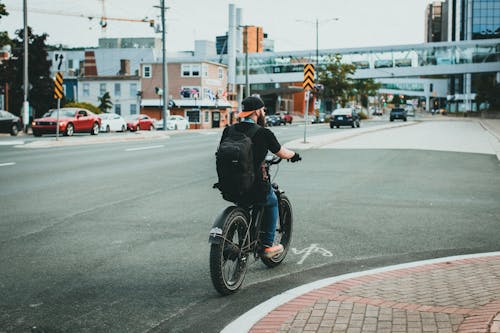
(113, 237)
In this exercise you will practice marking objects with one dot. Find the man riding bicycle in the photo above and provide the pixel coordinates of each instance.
(263, 141)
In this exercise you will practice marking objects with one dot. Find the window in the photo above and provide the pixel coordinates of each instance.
(133, 108)
(133, 89)
(118, 108)
(207, 116)
(102, 89)
(221, 73)
(146, 71)
(193, 115)
(195, 70)
(188, 70)
(118, 89)
(86, 89)
(70, 63)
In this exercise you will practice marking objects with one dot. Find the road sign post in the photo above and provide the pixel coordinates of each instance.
(308, 85)
(58, 94)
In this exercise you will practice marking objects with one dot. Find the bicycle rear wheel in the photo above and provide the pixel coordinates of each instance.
(283, 233)
(228, 263)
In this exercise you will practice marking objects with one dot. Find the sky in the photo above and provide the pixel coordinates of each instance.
(290, 23)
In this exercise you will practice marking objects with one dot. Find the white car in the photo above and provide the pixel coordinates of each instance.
(112, 122)
(177, 122)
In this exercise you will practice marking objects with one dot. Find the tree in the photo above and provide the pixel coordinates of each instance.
(488, 91)
(3, 11)
(365, 88)
(105, 102)
(41, 92)
(335, 78)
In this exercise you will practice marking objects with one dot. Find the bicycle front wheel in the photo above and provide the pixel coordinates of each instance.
(283, 233)
(228, 262)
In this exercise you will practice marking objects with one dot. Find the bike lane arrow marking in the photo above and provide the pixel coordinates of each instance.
(314, 248)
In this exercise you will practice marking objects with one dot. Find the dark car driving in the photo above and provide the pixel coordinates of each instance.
(9, 123)
(398, 113)
(274, 120)
(345, 117)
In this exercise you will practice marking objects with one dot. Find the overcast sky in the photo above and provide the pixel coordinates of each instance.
(361, 22)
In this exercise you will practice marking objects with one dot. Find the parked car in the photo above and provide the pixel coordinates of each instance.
(139, 122)
(274, 120)
(177, 122)
(9, 123)
(112, 122)
(345, 117)
(71, 120)
(398, 113)
(287, 117)
(158, 123)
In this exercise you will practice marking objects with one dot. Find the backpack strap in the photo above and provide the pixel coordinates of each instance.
(251, 131)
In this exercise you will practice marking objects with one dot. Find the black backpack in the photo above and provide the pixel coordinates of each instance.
(235, 165)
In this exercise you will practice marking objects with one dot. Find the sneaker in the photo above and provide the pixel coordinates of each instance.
(271, 251)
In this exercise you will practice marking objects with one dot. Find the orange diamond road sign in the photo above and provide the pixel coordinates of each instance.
(308, 77)
(58, 88)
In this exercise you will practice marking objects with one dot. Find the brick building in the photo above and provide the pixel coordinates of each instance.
(196, 90)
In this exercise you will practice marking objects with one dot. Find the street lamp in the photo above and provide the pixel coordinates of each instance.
(317, 23)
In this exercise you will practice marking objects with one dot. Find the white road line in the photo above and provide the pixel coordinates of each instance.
(144, 148)
(11, 143)
(7, 164)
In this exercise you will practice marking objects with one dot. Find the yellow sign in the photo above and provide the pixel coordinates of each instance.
(58, 88)
(308, 77)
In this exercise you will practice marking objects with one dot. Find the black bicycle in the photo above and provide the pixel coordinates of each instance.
(235, 237)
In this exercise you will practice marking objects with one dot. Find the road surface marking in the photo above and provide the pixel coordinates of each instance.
(11, 143)
(311, 249)
(144, 148)
(7, 164)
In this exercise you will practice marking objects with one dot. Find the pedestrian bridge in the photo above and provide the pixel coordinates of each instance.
(402, 61)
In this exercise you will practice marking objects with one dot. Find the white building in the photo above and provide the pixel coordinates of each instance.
(123, 90)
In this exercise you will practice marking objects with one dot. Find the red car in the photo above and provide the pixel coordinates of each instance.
(287, 117)
(71, 120)
(139, 122)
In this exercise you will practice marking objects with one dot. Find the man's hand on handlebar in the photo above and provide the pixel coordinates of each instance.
(295, 158)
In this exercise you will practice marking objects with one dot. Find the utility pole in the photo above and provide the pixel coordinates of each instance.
(165, 112)
(26, 106)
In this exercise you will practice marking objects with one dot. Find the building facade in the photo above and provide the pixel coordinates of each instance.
(196, 91)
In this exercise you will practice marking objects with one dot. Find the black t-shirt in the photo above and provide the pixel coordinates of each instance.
(263, 141)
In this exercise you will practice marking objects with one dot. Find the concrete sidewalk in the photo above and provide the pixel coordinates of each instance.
(455, 294)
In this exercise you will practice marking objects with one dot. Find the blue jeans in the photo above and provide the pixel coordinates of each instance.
(270, 218)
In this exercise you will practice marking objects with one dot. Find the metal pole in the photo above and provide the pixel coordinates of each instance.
(57, 122)
(306, 115)
(247, 85)
(164, 67)
(26, 82)
(317, 45)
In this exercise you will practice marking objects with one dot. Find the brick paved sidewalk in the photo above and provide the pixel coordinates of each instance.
(453, 296)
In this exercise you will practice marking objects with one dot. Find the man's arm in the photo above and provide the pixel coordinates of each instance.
(285, 153)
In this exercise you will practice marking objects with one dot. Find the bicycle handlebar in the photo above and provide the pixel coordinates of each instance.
(273, 159)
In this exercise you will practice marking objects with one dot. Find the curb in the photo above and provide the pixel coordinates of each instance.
(319, 141)
(245, 322)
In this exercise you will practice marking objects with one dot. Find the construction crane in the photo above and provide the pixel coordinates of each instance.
(103, 18)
